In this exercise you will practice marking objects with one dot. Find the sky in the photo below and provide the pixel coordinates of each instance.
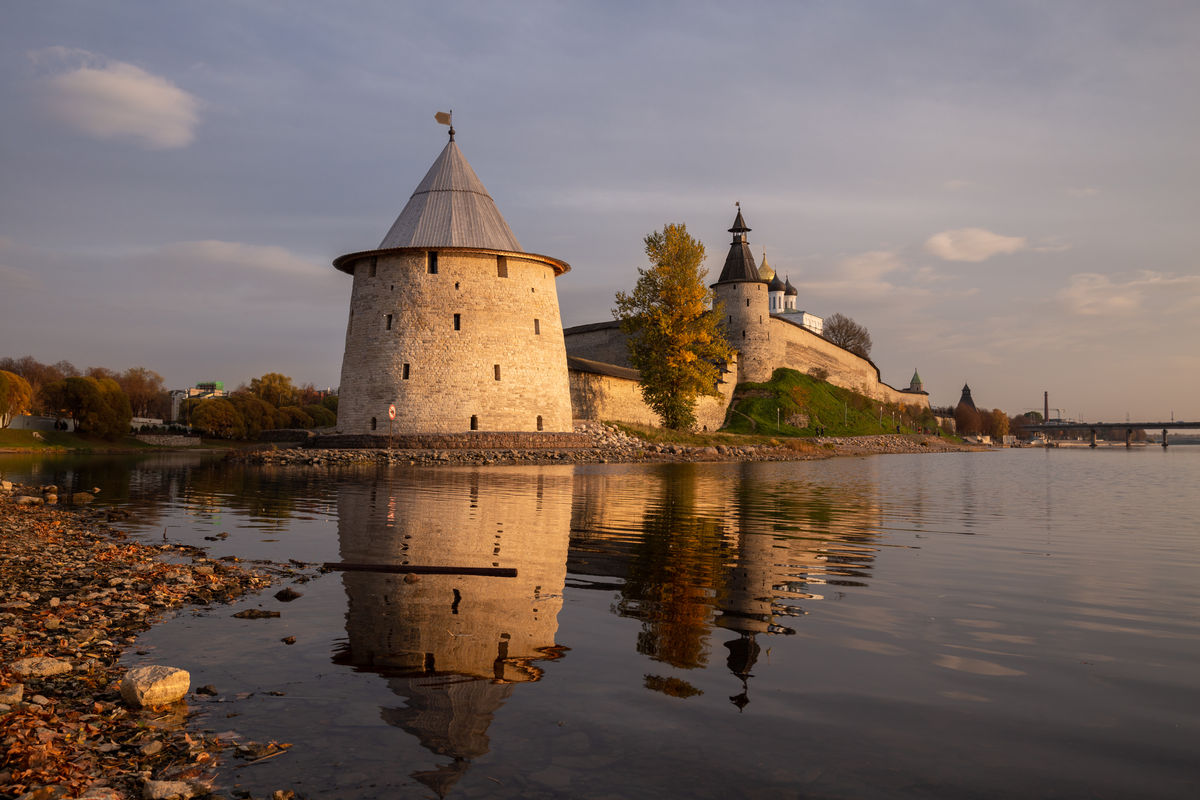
(1004, 193)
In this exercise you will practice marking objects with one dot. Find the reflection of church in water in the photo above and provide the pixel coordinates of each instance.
(710, 551)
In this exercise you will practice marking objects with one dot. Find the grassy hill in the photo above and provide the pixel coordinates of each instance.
(794, 404)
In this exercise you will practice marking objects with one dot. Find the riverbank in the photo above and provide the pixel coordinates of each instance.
(610, 445)
(74, 594)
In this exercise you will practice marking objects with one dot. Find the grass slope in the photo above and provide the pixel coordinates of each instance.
(63, 440)
(766, 408)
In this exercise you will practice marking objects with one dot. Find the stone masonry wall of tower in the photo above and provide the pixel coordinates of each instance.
(747, 325)
(504, 365)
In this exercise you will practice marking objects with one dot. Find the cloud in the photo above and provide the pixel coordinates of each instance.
(1091, 294)
(972, 244)
(955, 184)
(1082, 191)
(204, 255)
(869, 267)
(110, 99)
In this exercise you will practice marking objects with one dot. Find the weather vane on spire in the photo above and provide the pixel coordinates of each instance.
(446, 118)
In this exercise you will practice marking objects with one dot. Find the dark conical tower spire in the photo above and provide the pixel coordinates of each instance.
(739, 264)
(966, 397)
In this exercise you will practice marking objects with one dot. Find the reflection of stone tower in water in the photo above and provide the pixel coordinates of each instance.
(451, 321)
(453, 646)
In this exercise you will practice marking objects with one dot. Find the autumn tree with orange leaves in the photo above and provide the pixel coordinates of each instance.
(672, 322)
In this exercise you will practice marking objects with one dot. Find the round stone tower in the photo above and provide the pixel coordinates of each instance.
(747, 316)
(451, 321)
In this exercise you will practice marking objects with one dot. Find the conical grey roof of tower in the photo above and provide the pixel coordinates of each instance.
(450, 208)
(739, 264)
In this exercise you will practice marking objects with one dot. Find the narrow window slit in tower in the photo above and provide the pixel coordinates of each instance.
(373, 423)
(371, 266)
(747, 302)
(387, 319)
(406, 372)
(496, 370)
(539, 422)
(431, 262)
(474, 422)
(537, 327)
(743, 334)
(501, 267)
(458, 322)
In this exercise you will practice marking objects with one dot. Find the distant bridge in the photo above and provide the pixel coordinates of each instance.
(1128, 427)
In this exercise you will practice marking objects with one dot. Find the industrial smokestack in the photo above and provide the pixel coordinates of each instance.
(1045, 406)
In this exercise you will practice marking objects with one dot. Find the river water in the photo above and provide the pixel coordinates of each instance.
(1021, 623)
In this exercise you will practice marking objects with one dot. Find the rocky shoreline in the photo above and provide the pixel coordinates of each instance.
(610, 445)
(74, 594)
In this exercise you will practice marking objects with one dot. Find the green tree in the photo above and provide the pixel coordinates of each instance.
(322, 417)
(293, 417)
(257, 414)
(15, 396)
(218, 417)
(673, 325)
(97, 405)
(276, 389)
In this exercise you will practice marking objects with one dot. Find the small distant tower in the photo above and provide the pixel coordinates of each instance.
(789, 295)
(966, 397)
(915, 385)
(747, 313)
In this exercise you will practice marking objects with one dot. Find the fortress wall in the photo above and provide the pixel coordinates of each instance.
(452, 372)
(802, 350)
(602, 341)
(614, 399)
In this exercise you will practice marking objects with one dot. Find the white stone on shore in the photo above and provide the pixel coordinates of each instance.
(12, 695)
(40, 667)
(154, 685)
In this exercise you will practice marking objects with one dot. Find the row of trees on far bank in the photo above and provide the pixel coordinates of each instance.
(103, 402)
(144, 388)
(268, 403)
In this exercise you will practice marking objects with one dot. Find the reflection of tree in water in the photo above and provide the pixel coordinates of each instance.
(454, 646)
(674, 572)
(713, 549)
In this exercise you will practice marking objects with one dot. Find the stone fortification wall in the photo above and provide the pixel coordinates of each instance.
(600, 341)
(610, 393)
(800, 349)
(167, 439)
(480, 339)
(748, 328)
(472, 440)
